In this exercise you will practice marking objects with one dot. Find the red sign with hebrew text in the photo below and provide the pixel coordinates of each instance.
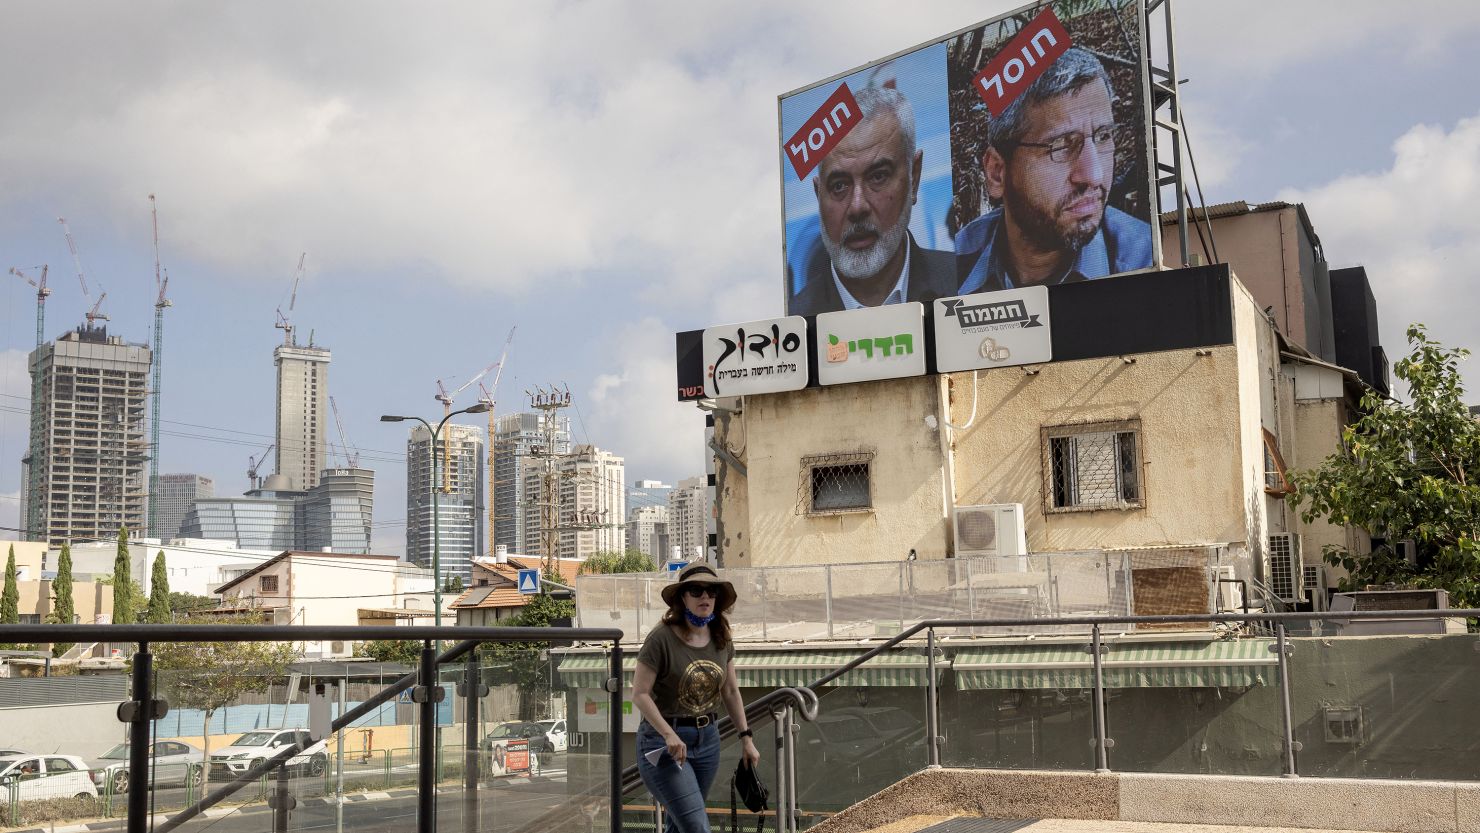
(1019, 64)
(823, 131)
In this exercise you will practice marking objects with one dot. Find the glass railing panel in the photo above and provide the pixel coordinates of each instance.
(1193, 706)
(995, 716)
(544, 753)
(1383, 699)
(869, 733)
(868, 600)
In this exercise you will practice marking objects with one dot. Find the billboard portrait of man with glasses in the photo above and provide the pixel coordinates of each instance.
(1049, 171)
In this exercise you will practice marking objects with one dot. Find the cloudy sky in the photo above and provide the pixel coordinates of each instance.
(599, 175)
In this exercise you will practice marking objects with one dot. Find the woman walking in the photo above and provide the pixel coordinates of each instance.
(686, 666)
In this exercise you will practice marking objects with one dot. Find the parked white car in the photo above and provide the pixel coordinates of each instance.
(555, 733)
(37, 777)
(252, 747)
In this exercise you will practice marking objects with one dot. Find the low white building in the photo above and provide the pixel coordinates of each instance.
(193, 565)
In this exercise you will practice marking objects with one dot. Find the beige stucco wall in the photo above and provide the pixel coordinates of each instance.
(1319, 424)
(1258, 371)
(896, 420)
(1188, 408)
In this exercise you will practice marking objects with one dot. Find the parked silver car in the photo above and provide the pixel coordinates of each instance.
(174, 764)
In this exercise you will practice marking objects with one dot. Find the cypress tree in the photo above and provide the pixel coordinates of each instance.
(63, 605)
(159, 593)
(123, 582)
(10, 599)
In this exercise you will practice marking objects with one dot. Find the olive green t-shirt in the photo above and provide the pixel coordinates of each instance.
(689, 680)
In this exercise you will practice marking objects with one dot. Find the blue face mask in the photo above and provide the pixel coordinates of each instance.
(698, 621)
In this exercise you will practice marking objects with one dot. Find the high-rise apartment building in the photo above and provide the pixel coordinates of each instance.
(593, 503)
(302, 412)
(519, 439)
(173, 497)
(333, 516)
(647, 531)
(688, 517)
(84, 474)
(459, 511)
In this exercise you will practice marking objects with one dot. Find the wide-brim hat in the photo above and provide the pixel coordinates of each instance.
(701, 574)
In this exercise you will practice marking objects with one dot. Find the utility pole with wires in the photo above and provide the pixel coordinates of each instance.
(549, 402)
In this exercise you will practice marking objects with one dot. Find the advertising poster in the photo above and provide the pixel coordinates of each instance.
(509, 757)
(1016, 152)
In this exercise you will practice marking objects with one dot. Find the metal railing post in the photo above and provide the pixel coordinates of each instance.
(932, 717)
(827, 599)
(792, 813)
(614, 727)
(1102, 742)
(1282, 648)
(426, 776)
(473, 689)
(282, 802)
(138, 739)
(778, 715)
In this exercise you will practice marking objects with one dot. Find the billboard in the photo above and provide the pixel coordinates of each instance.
(1013, 153)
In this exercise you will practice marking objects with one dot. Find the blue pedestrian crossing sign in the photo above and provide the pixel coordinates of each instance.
(529, 581)
(675, 566)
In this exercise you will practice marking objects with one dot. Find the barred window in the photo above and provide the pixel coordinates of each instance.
(834, 483)
(1093, 466)
(268, 584)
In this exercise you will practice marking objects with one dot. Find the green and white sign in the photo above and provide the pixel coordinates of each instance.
(863, 345)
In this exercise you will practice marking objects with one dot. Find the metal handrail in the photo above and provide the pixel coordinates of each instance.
(142, 707)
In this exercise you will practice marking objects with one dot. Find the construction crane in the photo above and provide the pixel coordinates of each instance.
(488, 398)
(161, 284)
(283, 321)
(95, 313)
(351, 454)
(446, 399)
(41, 292)
(253, 463)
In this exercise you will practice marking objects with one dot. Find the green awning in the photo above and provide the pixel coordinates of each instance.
(773, 669)
(1192, 664)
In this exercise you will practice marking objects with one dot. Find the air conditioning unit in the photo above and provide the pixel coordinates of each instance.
(1407, 549)
(1230, 595)
(1286, 578)
(1316, 587)
(990, 529)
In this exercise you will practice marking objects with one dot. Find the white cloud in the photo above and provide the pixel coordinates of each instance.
(633, 410)
(1413, 226)
(10, 516)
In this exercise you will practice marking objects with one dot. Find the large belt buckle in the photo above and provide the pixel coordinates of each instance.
(701, 721)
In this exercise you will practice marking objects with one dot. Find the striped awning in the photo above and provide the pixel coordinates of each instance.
(1192, 664)
(774, 669)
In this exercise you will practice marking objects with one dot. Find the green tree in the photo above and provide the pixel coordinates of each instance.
(187, 604)
(159, 593)
(63, 605)
(453, 585)
(10, 599)
(631, 561)
(123, 589)
(405, 651)
(1408, 470)
(529, 662)
(211, 675)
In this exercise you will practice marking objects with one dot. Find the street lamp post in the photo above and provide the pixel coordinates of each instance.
(480, 408)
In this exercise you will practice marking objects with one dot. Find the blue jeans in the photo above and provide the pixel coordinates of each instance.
(680, 791)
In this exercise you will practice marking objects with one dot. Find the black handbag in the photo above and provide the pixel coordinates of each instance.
(746, 783)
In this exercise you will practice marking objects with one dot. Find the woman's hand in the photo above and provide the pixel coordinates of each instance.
(749, 753)
(677, 749)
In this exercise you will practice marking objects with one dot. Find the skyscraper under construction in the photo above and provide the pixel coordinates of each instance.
(84, 474)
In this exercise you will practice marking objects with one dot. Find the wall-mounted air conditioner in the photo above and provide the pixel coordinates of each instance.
(1315, 587)
(1286, 578)
(990, 529)
(1230, 595)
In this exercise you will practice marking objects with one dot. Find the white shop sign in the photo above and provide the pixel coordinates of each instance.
(993, 329)
(767, 356)
(862, 345)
